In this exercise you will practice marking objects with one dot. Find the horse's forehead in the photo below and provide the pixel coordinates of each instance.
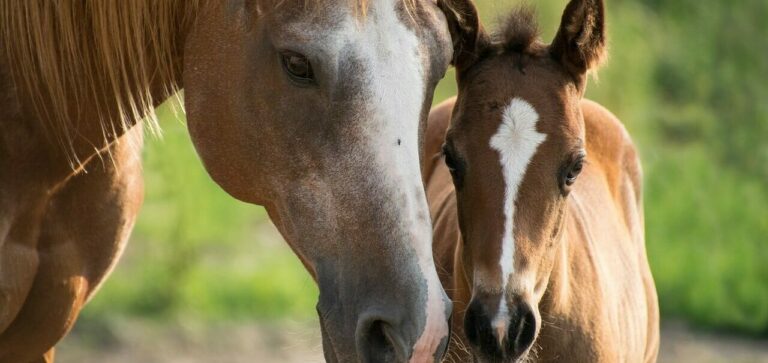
(333, 27)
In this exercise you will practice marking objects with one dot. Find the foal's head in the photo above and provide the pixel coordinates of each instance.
(315, 109)
(515, 148)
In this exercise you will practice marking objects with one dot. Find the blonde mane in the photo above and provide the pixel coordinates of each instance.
(66, 52)
(104, 53)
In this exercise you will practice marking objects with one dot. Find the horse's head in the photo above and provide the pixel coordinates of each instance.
(515, 147)
(315, 110)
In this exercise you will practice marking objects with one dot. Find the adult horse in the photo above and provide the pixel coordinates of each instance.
(311, 109)
(537, 209)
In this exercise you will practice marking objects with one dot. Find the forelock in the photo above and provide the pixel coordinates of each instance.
(519, 32)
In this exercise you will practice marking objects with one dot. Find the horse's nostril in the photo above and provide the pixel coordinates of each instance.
(378, 344)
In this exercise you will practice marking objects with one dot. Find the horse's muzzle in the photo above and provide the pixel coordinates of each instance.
(391, 332)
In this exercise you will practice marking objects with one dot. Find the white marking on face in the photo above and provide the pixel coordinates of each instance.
(395, 88)
(516, 142)
(391, 52)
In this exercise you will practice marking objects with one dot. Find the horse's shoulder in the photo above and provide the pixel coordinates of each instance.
(434, 136)
(439, 189)
(437, 124)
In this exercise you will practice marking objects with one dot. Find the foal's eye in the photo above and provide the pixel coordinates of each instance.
(297, 67)
(571, 172)
(450, 162)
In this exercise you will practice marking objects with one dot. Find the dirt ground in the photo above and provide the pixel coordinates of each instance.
(681, 344)
(146, 342)
(299, 342)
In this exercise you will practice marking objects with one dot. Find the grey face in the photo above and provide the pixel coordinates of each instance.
(316, 112)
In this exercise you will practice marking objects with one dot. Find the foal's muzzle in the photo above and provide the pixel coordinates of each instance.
(500, 339)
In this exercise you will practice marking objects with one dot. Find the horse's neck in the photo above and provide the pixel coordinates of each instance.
(591, 262)
(28, 154)
(105, 77)
(107, 118)
(596, 299)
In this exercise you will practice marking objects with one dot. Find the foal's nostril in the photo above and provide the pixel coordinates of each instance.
(524, 331)
(477, 327)
(520, 331)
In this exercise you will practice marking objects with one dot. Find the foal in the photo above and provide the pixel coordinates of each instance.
(537, 211)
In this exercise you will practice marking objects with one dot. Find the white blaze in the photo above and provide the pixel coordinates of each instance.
(395, 90)
(516, 142)
(391, 51)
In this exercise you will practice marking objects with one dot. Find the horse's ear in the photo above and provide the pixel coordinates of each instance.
(580, 42)
(469, 38)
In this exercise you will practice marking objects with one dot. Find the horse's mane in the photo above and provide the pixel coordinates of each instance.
(62, 51)
(65, 52)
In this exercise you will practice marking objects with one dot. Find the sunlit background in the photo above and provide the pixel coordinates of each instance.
(207, 279)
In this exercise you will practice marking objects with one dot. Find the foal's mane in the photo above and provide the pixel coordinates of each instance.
(71, 51)
(519, 31)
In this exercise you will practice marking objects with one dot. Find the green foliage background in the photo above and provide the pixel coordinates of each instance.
(688, 78)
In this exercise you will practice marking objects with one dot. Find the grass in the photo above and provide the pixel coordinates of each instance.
(197, 252)
(706, 236)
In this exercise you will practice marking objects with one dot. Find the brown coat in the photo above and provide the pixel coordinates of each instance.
(601, 303)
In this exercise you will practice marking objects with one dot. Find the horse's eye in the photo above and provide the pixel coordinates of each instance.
(450, 162)
(571, 172)
(454, 166)
(297, 67)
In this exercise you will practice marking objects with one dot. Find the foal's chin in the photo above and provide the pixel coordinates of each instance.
(526, 357)
(506, 352)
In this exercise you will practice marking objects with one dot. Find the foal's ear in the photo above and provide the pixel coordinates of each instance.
(469, 38)
(580, 42)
